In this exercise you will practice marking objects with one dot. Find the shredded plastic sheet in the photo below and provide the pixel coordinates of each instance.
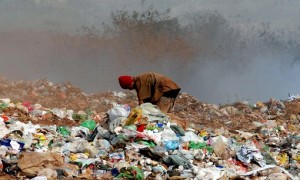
(254, 172)
(211, 173)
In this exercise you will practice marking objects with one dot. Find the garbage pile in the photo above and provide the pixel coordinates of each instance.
(122, 140)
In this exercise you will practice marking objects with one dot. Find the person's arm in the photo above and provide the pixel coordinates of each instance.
(139, 98)
(141, 102)
(137, 85)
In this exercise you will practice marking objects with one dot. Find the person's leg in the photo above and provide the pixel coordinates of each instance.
(172, 103)
(165, 104)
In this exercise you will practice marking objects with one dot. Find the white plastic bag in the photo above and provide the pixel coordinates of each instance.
(191, 136)
(168, 134)
(118, 110)
(211, 173)
(118, 121)
(153, 113)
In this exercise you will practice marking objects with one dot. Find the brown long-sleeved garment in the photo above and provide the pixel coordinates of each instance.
(150, 87)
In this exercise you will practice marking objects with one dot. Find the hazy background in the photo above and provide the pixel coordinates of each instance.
(219, 51)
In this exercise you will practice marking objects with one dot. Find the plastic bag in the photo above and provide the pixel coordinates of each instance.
(61, 113)
(191, 136)
(168, 134)
(171, 145)
(153, 113)
(119, 121)
(197, 145)
(90, 124)
(118, 111)
(79, 130)
(149, 108)
(135, 116)
(177, 160)
(63, 131)
(247, 154)
(219, 145)
(211, 173)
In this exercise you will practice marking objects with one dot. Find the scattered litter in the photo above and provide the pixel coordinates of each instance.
(55, 131)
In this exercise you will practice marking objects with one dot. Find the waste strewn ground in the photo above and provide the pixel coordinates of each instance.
(56, 131)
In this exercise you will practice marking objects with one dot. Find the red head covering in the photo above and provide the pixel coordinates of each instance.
(125, 81)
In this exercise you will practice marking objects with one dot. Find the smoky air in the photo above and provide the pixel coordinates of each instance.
(217, 51)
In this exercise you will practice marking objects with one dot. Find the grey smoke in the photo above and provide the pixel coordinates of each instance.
(251, 50)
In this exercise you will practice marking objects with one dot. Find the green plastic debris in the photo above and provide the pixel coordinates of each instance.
(209, 149)
(147, 143)
(63, 130)
(3, 105)
(131, 172)
(200, 145)
(151, 128)
(90, 124)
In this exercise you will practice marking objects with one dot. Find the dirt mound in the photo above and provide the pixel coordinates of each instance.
(239, 115)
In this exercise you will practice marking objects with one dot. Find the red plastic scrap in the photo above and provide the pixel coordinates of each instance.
(28, 105)
(5, 118)
(141, 127)
(240, 164)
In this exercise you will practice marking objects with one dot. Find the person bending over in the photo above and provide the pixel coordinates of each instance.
(154, 88)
